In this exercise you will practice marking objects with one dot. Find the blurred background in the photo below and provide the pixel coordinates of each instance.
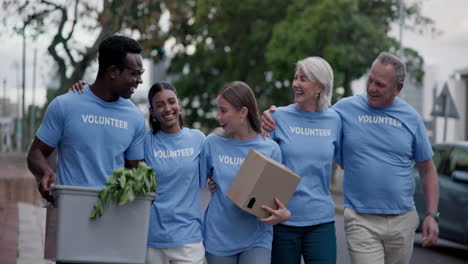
(200, 45)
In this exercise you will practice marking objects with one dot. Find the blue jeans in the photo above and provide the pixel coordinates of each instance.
(317, 244)
(255, 255)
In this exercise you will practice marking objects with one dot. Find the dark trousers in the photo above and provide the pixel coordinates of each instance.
(317, 244)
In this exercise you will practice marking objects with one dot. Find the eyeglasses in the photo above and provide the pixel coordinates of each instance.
(135, 72)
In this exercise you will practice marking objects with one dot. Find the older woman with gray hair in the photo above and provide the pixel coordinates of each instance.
(309, 135)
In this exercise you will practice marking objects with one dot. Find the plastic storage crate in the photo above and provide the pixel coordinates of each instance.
(119, 236)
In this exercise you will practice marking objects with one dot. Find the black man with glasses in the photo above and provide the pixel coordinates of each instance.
(97, 131)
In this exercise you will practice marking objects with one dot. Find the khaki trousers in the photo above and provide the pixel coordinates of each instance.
(190, 253)
(380, 238)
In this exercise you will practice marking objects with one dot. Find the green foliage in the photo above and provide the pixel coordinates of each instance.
(76, 28)
(259, 42)
(124, 185)
(349, 34)
(230, 40)
(219, 41)
(414, 65)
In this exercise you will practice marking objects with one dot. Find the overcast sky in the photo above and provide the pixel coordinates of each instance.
(447, 53)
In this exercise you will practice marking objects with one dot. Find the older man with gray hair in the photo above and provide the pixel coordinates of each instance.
(382, 136)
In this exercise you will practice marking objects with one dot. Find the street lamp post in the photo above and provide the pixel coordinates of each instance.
(400, 46)
(4, 112)
(402, 24)
(23, 117)
(32, 114)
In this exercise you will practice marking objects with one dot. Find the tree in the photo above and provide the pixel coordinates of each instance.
(258, 41)
(78, 27)
(226, 42)
(349, 34)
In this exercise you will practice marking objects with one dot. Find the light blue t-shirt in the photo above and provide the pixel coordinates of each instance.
(93, 137)
(175, 214)
(309, 142)
(227, 229)
(379, 147)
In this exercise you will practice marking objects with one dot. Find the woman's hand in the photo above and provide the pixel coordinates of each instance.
(277, 216)
(78, 87)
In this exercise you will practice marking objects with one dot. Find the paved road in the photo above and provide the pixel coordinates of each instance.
(31, 240)
(32, 217)
(443, 252)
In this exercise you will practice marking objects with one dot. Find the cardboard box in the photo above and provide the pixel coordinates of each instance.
(259, 180)
(119, 236)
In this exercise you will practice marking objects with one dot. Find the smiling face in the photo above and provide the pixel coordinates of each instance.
(306, 92)
(229, 117)
(127, 80)
(166, 109)
(381, 86)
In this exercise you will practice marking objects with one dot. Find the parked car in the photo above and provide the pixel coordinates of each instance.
(451, 161)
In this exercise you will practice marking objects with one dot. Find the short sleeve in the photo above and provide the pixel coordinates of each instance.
(147, 146)
(422, 149)
(136, 150)
(338, 143)
(276, 154)
(51, 130)
(205, 166)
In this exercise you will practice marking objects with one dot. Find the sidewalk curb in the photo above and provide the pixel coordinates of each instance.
(31, 218)
(8, 232)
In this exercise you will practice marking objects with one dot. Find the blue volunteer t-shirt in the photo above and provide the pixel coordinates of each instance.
(309, 142)
(93, 137)
(176, 213)
(379, 147)
(227, 229)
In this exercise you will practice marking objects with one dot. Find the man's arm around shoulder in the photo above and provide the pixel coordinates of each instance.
(39, 167)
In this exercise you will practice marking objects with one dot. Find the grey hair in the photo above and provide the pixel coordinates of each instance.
(387, 58)
(318, 70)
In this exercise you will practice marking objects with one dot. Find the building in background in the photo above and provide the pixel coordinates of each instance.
(457, 126)
(8, 125)
(413, 94)
(430, 100)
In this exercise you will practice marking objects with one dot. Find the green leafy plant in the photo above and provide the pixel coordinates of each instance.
(124, 185)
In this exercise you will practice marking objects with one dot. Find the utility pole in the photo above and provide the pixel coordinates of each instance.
(32, 114)
(18, 118)
(434, 117)
(23, 116)
(4, 110)
(445, 107)
(400, 48)
(402, 24)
